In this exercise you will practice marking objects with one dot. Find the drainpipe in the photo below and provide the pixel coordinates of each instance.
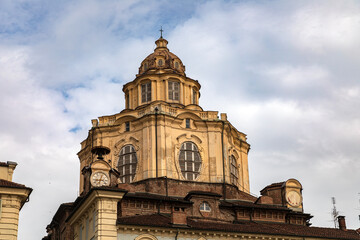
(92, 143)
(177, 233)
(166, 186)
(223, 159)
(156, 141)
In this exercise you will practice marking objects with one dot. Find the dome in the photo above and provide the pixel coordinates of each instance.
(161, 60)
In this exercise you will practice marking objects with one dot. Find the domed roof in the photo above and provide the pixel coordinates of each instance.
(161, 60)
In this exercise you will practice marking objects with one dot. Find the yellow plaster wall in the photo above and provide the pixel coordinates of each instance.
(6, 172)
(206, 130)
(11, 201)
(159, 89)
(99, 210)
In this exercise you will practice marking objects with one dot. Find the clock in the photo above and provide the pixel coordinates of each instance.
(293, 198)
(99, 179)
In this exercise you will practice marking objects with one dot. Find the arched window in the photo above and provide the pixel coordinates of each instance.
(194, 97)
(146, 237)
(127, 163)
(189, 160)
(146, 92)
(234, 172)
(174, 89)
(160, 62)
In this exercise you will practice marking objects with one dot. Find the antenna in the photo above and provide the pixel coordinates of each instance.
(334, 213)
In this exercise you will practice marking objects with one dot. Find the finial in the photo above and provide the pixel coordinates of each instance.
(161, 31)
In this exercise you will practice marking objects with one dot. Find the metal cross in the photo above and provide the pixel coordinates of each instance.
(161, 31)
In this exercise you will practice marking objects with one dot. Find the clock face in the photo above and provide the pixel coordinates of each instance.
(293, 198)
(99, 179)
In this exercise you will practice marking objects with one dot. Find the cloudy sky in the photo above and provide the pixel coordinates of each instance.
(285, 72)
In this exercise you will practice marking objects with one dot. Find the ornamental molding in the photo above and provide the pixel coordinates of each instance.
(146, 237)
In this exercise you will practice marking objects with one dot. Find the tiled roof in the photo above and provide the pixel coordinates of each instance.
(278, 184)
(202, 193)
(246, 196)
(247, 204)
(5, 183)
(156, 220)
(155, 197)
(245, 227)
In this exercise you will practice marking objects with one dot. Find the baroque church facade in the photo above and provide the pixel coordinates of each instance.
(164, 168)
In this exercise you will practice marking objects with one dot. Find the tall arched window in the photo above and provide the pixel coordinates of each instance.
(174, 90)
(127, 163)
(145, 92)
(234, 172)
(189, 160)
(194, 96)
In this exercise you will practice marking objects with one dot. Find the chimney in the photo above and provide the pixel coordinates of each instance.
(342, 223)
(178, 216)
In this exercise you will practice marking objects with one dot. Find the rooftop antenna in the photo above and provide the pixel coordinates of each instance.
(334, 213)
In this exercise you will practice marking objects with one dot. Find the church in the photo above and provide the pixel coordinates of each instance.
(164, 168)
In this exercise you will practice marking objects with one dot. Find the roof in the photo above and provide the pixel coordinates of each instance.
(244, 227)
(81, 199)
(155, 197)
(6, 183)
(278, 184)
(5, 164)
(202, 193)
(246, 204)
(61, 211)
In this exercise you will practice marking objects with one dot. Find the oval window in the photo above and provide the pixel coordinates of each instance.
(189, 160)
(127, 163)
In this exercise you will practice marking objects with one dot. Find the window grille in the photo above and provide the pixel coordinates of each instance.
(194, 96)
(146, 92)
(234, 173)
(174, 89)
(187, 123)
(189, 160)
(127, 164)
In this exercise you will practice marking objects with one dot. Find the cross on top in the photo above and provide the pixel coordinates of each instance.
(161, 31)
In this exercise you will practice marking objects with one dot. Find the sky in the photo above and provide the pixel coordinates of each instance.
(285, 72)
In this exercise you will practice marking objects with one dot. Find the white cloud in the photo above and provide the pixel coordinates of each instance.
(323, 27)
(285, 72)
